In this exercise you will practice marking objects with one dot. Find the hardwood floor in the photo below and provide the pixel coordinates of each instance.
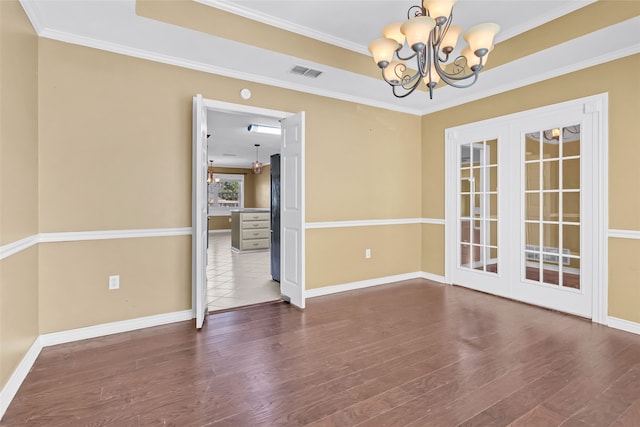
(413, 353)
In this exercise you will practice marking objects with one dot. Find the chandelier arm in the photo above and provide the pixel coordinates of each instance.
(405, 58)
(408, 89)
(455, 82)
(402, 80)
(415, 11)
(442, 32)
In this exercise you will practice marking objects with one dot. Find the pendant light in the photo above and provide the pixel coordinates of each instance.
(210, 172)
(257, 166)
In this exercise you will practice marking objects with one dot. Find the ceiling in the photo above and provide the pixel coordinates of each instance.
(113, 25)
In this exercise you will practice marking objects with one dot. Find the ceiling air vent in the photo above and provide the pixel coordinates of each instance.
(304, 71)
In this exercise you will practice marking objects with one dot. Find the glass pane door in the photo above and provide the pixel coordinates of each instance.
(478, 206)
(552, 207)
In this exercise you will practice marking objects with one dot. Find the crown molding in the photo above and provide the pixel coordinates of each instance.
(212, 69)
(577, 54)
(283, 24)
(566, 8)
(34, 17)
(247, 12)
(583, 52)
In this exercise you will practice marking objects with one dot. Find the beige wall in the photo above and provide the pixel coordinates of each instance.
(74, 77)
(155, 278)
(337, 255)
(18, 185)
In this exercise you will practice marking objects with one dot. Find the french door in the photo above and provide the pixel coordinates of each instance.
(520, 222)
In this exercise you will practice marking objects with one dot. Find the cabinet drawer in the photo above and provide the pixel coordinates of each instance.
(254, 244)
(248, 225)
(255, 216)
(258, 233)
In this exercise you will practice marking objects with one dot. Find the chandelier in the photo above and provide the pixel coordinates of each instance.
(256, 166)
(431, 38)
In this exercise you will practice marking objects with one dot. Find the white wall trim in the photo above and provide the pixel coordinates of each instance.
(104, 329)
(624, 325)
(624, 234)
(76, 236)
(226, 230)
(18, 246)
(372, 222)
(435, 221)
(10, 389)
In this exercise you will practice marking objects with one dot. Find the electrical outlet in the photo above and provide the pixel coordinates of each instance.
(367, 253)
(114, 282)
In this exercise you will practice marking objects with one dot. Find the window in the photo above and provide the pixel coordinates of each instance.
(226, 192)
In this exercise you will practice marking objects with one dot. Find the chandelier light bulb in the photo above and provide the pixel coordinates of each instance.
(382, 51)
(439, 8)
(480, 37)
(417, 31)
(392, 31)
(450, 39)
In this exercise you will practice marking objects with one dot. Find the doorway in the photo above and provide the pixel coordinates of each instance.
(292, 204)
(524, 207)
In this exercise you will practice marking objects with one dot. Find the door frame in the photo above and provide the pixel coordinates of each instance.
(598, 106)
(221, 106)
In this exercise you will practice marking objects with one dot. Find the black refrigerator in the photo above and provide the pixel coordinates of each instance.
(275, 217)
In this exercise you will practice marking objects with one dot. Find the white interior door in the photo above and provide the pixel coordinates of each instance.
(292, 237)
(478, 182)
(199, 217)
(556, 237)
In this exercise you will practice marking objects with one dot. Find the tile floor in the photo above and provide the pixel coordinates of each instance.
(237, 279)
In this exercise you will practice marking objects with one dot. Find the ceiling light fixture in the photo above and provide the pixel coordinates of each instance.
(432, 39)
(273, 130)
(256, 166)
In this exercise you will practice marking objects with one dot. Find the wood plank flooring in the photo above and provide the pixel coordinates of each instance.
(412, 353)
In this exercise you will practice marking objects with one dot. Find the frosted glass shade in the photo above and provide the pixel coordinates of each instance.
(481, 36)
(435, 77)
(451, 38)
(382, 50)
(438, 8)
(394, 71)
(392, 31)
(417, 30)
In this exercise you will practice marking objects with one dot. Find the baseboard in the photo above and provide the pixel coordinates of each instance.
(431, 276)
(328, 290)
(226, 230)
(114, 328)
(624, 325)
(10, 389)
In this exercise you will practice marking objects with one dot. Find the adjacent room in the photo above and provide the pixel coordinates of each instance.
(439, 227)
